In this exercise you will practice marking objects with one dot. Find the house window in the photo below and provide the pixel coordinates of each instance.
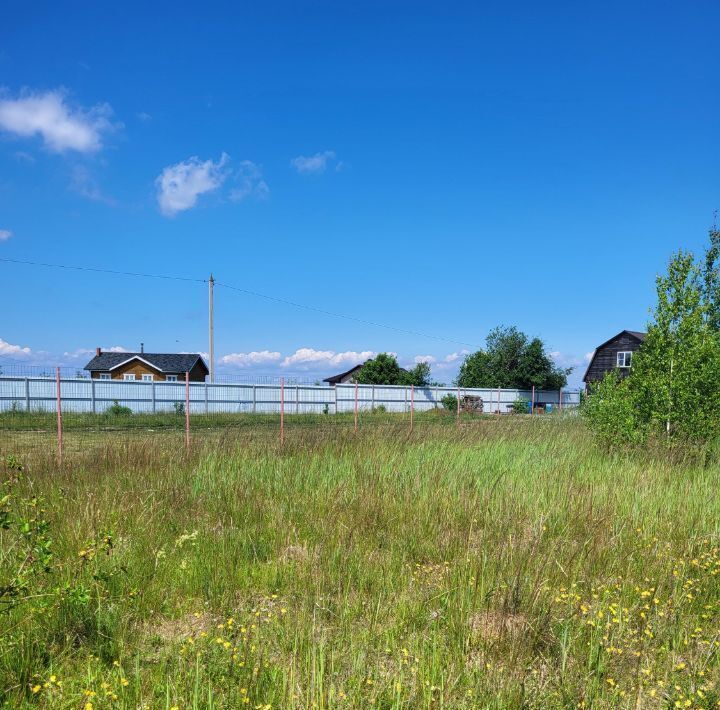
(171, 378)
(129, 377)
(104, 376)
(147, 377)
(624, 359)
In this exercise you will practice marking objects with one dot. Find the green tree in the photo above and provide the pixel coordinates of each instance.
(511, 360)
(673, 389)
(384, 370)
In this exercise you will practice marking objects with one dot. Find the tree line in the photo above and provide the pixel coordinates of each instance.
(511, 360)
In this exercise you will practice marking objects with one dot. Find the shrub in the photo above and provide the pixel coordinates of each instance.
(449, 402)
(521, 406)
(118, 410)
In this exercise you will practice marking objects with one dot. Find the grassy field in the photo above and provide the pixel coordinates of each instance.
(506, 563)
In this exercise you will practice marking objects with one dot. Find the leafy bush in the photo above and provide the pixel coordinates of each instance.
(449, 402)
(118, 410)
(521, 406)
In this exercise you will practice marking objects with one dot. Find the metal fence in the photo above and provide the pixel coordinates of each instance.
(42, 394)
(43, 415)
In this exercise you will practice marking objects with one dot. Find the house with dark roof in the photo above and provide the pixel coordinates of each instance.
(147, 367)
(343, 377)
(614, 354)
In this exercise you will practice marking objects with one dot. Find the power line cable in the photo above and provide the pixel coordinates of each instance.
(341, 315)
(102, 271)
(238, 289)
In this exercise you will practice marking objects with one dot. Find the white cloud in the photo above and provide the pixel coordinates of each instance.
(452, 357)
(144, 116)
(115, 349)
(10, 350)
(429, 359)
(305, 358)
(251, 359)
(5, 234)
(589, 356)
(180, 185)
(249, 183)
(61, 126)
(313, 164)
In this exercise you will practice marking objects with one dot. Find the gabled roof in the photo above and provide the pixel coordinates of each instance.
(336, 378)
(172, 363)
(638, 335)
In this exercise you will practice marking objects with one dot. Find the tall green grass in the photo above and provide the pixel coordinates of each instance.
(504, 564)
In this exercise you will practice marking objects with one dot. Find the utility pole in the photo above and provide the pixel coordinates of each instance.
(211, 328)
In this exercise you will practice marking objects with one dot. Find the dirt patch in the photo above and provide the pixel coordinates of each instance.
(492, 625)
(174, 630)
(296, 553)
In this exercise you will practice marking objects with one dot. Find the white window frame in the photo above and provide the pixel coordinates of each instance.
(104, 376)
(171, 378)
(623, 359)
(146, 377)
(129, 377)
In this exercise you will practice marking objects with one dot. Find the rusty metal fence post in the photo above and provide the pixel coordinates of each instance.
(282, 410)
(356, 407)
(412, 406)
(59, 417)
(187, 411)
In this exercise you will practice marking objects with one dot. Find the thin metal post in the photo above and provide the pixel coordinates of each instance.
(187, 411)
(560, 399)
(206, 399)
(211, 328)
(373, 398)
(92, 396)
(356, 407)
(152, 395)
(27, 394)
(412, 405)
(457, 416)
(532, 401)
(59, 417)
(282, 410)
(254, 403)
(498, 409)
(336, 402)
(297, 399)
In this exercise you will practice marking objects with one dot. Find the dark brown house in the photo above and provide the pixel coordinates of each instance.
(147, 367)
(344, 377)
(614, 354)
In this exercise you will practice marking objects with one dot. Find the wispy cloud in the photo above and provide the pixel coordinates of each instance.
(84, 184)
(251, 359)
(317, 163)
(249, 183)
(5, 234)
(79, 353)
(429, 359)
(61, 126)
(180, 185)
(143, 116)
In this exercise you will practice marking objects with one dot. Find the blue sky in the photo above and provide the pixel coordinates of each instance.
(438, 168)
